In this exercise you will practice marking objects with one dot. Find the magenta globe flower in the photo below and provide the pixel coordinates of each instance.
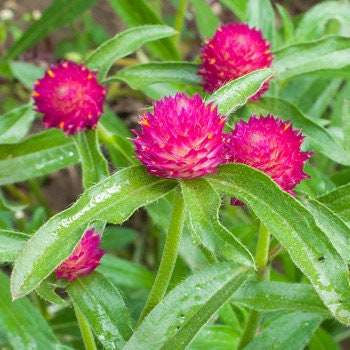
(84, 259)
(70, 98)
(182, 138)
(234, 50)
(272, 146)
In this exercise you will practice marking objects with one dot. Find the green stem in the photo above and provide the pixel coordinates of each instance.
(169, 257)
(262, 274)
(85, 330)
(179, 19)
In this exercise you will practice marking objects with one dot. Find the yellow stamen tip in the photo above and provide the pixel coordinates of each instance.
(50, 73)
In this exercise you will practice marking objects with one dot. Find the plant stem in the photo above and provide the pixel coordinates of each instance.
(169, 257)
(262, 274)
(179, 19)
(85, 330)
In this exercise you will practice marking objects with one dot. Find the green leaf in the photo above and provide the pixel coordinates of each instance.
(138, 12)
(124, 273)
(187, 308)
(236, 93)
(272, 296)
(295, 228)
(322, 340)
(24, 326)
(346, 125)
(238, 7)
(331, 54)
(140, 76)
(338, 201)
(55, 16)
(47, 290)
(261, 15)
(113, 200)
(103, 307)
(287, 24)
(313, 24)
(124, 44)
(11, 242)
(94, 164)
(318, 137)
(203, 204)
(206, 21)
(26, 73)
(38, 155)
(15, 124)
(288, 332)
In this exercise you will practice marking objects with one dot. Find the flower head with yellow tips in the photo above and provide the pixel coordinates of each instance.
(270, 145)
(234, 50)
(70, 97)
(182, 138)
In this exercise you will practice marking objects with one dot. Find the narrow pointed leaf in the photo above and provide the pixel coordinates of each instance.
(103, 307)
(143, 75)
(238, 7)
(124, 44)
(291, 331)
(26, 73)
(318, 137)
(24, 326)
(38, 155)
(207, 22)
(331, 54)
(112, 200)
(203, 204)
(195, 300)
(11, 242)
(236, 93)
(272, 296)
(295, 228)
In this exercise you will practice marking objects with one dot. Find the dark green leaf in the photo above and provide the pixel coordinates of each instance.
(55, 16)
(206, 21)
(139, 77)
(272, 296)
(187, 308)
(11, 243)
(103, 307)
(322, 340)
(288, 332)
(295, 228)
(236, 93)
(38, 155)
(112, 200)
(319, 138)
(203, 204)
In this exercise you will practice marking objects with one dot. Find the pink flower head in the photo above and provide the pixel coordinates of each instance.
(70, 98)
(84, 259)
(234, 50)
(183, 138)
(272, 146)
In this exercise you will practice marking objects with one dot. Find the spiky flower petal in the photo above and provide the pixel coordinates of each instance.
(70, 97)
(234, 50)
(84, 259)
(272, 146)
(182, 138)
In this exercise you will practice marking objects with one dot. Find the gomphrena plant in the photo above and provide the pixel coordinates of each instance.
(219, 219)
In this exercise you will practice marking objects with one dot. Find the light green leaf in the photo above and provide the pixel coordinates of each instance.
(288, 332)
(331, 54)
(103, 307)
(26, 73)
(140, 76)
(319, 139)
(24, 326)
(323, 340)
(338, 201)
(124, 44)
(295, 228)
(47, 290)
(287, 24)
(55, 16)
(203, 204)
(11, 242)
(206, 21)
(272, 296)
(15, 124)
(238, 7)
(38, 155)
(236, 93)
(138, 12)
(195, 301)
(113, 200)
